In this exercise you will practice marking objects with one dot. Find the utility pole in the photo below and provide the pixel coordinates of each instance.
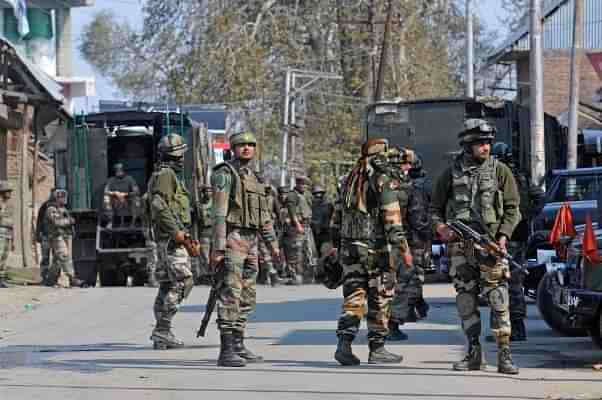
(378, 95)
(538, 153)
(571, 154)
(469, 50)
(291, 93)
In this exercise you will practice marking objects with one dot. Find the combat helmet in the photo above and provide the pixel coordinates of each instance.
(501, 151)
(375, 146)
(318, 189)
(401, 155)
(283, 190)
(243, 138)
(172, 145)
(476, 129)
(60, 193)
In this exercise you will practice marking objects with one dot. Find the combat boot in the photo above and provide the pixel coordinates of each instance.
(473, 361)
(380, 355)
(504, 361)
(164, 339)
(74, 282)
(344, 355)
(395, 334)
(227, 356)
(274, 279)
(243, 351)
(422, 308)
(519, 333)
(412, 317)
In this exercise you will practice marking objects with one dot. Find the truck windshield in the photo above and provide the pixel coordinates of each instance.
(575, 188)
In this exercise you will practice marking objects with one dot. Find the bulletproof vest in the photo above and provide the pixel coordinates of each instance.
(303, 206)
(321, 213)
(6, 216)
(357, 225)
(476, 188)
(62, 226)
(178, 202)
(249, 206)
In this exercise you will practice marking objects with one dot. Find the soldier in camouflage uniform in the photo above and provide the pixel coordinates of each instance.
(297, 232)
(321, 214)
(206, 232)
(414, 215)
(240, 215)
(170, 220)
(6, 229)
(267, 266)
(60, 235)
(42, 237)
(530, 205)
(121, 191)
(477, 188)
(370, 226)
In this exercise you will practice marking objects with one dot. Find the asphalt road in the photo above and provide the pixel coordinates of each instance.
(94, 345)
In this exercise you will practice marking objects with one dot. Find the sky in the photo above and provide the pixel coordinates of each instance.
(131, 10)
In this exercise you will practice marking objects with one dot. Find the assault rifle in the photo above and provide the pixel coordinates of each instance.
(484, 243)
(216, 286)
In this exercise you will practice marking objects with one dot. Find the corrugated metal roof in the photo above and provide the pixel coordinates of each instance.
(558, 29)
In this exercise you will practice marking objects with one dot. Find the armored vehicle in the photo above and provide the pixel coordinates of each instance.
(116, 254)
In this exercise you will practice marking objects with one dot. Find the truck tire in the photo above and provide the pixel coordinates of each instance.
(595, 330)
(552, 315)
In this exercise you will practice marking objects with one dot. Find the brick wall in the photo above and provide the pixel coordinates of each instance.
(557, 76)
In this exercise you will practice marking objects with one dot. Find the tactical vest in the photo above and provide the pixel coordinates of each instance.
(357, 225)
(303, 207)
(179, 202)
(62, 226)
(475, 189)
(249, 206)
(6, 217)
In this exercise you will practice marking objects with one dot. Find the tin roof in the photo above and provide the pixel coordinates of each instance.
(557, 29)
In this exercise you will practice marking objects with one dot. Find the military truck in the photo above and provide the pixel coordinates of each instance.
(117, 255)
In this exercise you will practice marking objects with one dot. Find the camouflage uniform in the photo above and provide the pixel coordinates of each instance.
(240, 215)
(122, 184)
(205, 222)
(267, 267)
(6, 230)
(486, 191)
(370, 223)
(60, 236)
(296, 244)
(170, 220)
(321, 212)
(152, 258)
(42, 237)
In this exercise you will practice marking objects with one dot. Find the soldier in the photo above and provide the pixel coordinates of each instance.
(478, 188)
(267, 268)
(206, 231)
(60, 235)
(530, 205)
(370, 224)
(414, 214)
(42, 237)
(321, 214)
(240, 214)
(297, 231)
(120, 191)
(7, 240)
(170, 220)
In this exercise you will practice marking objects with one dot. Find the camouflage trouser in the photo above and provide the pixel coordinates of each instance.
(266, 263)
(175, 283)
(153, 258)
(237, 296)
(45, 261)
(61, 258)
(204, 258)
(470, 277)
(111, 204)
(5, 244)
(364, 282)
(295, 246)
(409, 285)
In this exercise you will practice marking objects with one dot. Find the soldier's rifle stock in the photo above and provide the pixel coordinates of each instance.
(484, 242)
(218, 282)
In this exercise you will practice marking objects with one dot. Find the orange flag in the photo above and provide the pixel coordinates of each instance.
(563, 227)
(590, 244)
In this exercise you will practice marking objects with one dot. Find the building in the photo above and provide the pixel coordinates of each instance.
(512, 56)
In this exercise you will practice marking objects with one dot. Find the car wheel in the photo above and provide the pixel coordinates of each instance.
(555, 317)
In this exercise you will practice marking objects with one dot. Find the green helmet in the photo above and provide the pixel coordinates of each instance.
(172, 145)
(318, 189)
(476, 129)
(5, 186)
(243, 138)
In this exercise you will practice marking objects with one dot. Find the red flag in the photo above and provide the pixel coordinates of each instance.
(590, 244)
(563, 227)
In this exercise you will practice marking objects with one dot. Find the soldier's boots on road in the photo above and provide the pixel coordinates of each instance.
(344, 355)
(505, 365)
(164, 339)
(395, 334)
(519, 332)
(380, 355)
(473, 361)
(243, 351)
(74, 282)
(227, 355)
(275, 279)
(411, 317)
(422, 308)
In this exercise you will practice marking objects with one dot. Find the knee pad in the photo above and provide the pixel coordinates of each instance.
(467, 304)
(498, 298)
